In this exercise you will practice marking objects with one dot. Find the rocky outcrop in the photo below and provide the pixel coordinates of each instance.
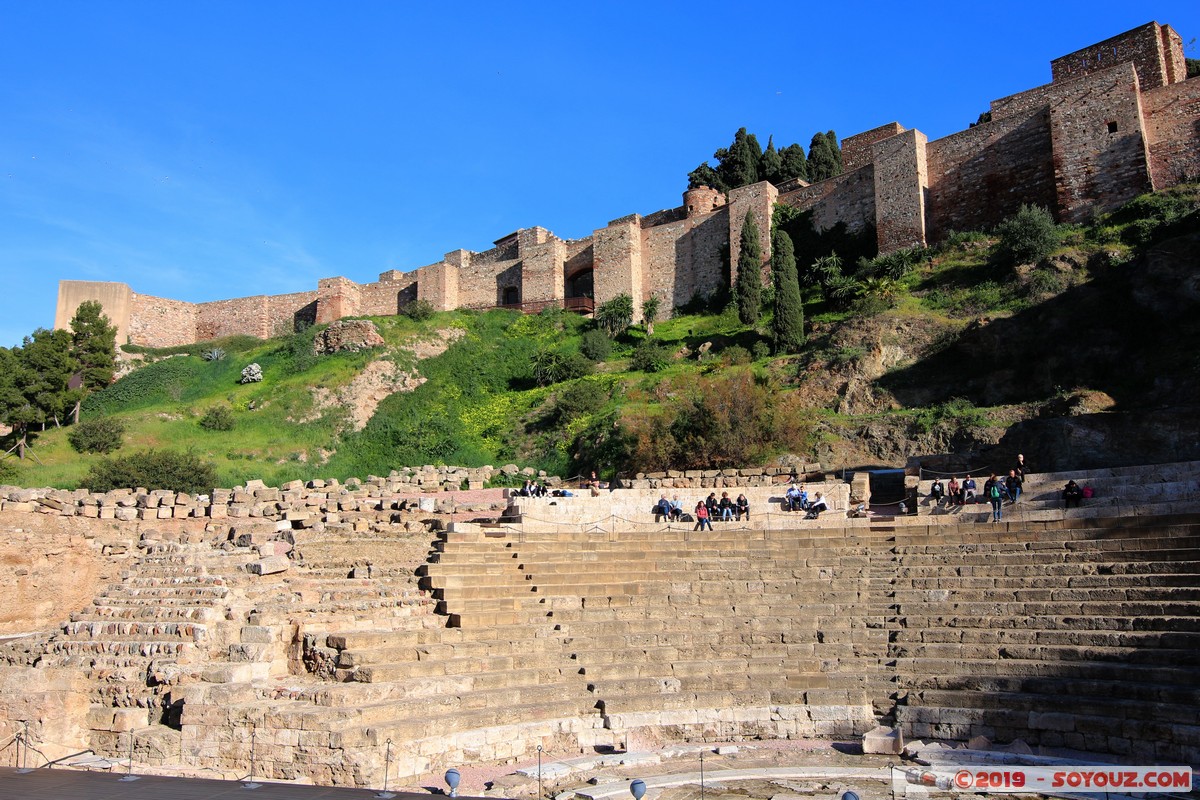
(347, 335)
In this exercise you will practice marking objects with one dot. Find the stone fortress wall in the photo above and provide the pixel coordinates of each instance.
(1118, 119)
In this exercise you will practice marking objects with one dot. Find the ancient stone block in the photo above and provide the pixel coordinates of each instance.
(268, 566)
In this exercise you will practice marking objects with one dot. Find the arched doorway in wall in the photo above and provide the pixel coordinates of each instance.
(510, 297)
(581, 291)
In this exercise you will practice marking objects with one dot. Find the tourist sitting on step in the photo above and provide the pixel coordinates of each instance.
(710, 504)
(936, 492)
(818, 505)
(1072, 494)
(702, 520)
(662, 509)
(742, 507)
(968, 490)
(954, 491)
(726, 507)
(1013, 483)
(676, 508)
(791, 498)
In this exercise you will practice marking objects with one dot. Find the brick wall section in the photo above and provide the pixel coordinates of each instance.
(857, 150)
(437, 284)
(243, 315)
(686, 258)
(1156, 50)
(618, 261)
(847, 198)
(1100, 157)
(542, 279)
(759, 199)
(1172, 119)
(901, 182)
(1007, 161)
(158, 322)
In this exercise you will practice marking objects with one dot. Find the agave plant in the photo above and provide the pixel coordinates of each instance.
(213, 354)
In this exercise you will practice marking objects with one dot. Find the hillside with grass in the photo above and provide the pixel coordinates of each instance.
(1071, 344)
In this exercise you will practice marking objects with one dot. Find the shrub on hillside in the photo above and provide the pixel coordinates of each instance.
(650, 356)
(99, 435)
(217, 418)
(252, 374)
(417, 310)
(1026, 237)
(595, 345)
(578, 399)
(552, 366)
(152, 469)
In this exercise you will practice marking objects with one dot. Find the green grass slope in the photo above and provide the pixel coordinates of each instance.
(934, 348)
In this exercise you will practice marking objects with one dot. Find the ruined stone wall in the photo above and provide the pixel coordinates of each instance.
(387, 297)
(1172, 120)
(857, 150)
(1155, 50)
(481, 282)
(1100, 154)
(1008, 161)
(158, 322)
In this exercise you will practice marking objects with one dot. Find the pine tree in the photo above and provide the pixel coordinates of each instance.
(46, 369)
(94, 346)
(705, 175)
(793, 163)
(770, 166)
(749, 276)
(824, 157)
(788, 324)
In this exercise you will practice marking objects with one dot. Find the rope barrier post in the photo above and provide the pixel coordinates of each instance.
(129, 776)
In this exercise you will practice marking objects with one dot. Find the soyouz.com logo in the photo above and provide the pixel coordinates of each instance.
(1060, 780)
(1065, 780)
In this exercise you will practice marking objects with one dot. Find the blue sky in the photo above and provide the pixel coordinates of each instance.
(206, 150)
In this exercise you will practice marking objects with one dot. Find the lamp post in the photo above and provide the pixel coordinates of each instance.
(452, 780)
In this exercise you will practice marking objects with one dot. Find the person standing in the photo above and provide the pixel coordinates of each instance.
(992, 491)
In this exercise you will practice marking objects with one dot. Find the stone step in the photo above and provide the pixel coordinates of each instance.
(959, 605)
(406, 670)
(1034, 668)
(165, 592)
(917, 625)
(1050, 653)
(453, 720)
(116, 647)
(1065, 687)
(105, 613)
(152, 630)
(436, 651)
(1060, 636)
(1073, 710)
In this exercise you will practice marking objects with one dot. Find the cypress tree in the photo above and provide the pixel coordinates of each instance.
(788, 324)
(793, 163)
(824, 156)
(770, 166)
(749, 276)
(705, 175)
(739, 164)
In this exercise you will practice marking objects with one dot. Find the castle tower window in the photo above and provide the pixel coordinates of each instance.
(511, 296)
(1112, 127)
